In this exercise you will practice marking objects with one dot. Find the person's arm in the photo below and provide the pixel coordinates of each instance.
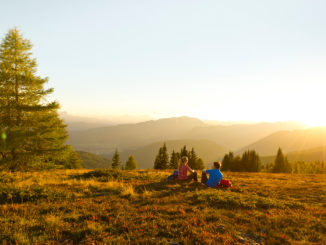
(190, 170)
(220, 176)
(208, 171)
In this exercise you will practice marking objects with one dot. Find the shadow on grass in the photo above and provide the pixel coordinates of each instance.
(101, 175)
(166, 188)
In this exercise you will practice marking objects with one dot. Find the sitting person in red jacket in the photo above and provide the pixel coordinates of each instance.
(184, 168)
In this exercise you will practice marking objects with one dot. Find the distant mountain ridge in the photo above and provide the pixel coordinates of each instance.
(210, 141)
(132, 136)
(80, 123)
(310, 155)
(236, 136)
(289, 141)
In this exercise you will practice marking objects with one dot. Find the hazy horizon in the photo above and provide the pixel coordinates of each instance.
(252, 61)
(129, 119)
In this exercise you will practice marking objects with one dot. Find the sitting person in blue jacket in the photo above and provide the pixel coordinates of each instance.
(215, 177)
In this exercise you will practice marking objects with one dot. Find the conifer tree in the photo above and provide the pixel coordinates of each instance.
(162, 158)
(250, 161)
(281, 163)
(227, 162)
(174, 160)
(30, 127)
(131, 163)
(200, 164)
(255, 162)
(71, 159)
(245, 161)
(116, 163)
(193, 159)
(184, 152)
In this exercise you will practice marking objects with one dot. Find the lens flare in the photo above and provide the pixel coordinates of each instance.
(3, 136)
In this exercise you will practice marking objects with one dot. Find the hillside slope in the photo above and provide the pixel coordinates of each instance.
(131, 136)
(91, 160)
(311, 155)
(289, 141)
(238, 135)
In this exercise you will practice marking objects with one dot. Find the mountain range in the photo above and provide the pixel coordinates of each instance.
(210, 141)
(310, 155)
(289, 141)
(131, 136)
(104, 140)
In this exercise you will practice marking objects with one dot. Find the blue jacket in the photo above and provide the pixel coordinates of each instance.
(215, 177)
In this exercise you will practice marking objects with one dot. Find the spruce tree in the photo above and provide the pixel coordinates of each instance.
(162, 158)
(281, 163)
(288, 166)
(157, 162)
(255, 162)
(131, 163)
(31, 130)
(200, 164)
(250, 161)
(227, 162)
(278, 162)
(245, 161)
(236, 164)
(193, 159)
(184, 152)
(116, 163)
(174, 160)
(71, 159)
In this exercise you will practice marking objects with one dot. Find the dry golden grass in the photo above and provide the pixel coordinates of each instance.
(140, 207)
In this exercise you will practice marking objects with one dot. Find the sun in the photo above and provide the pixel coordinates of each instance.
(315, 122)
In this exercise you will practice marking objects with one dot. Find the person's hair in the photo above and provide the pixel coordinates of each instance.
(217, 165)
(184, 159)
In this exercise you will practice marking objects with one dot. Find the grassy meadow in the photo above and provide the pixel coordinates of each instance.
(140, 207)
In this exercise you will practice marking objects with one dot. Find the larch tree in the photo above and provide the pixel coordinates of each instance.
(31, 131)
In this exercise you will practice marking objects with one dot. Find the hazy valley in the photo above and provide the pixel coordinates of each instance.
(210, 141)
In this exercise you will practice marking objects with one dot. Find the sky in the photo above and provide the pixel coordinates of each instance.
(253, 60)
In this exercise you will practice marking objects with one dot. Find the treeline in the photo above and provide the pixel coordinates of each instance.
(163, 161)
(250, 162)
(116, 163)
(32, 134)
(283, 165)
